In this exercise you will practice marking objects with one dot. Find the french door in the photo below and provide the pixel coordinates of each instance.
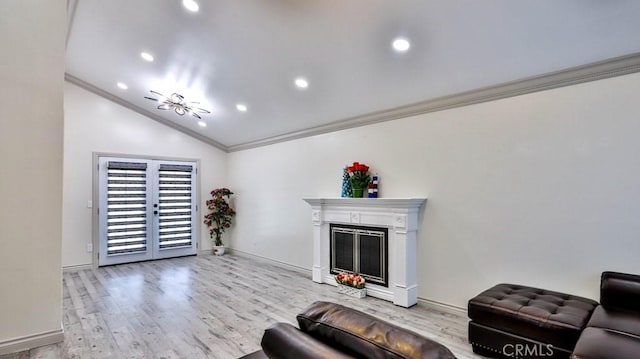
(147, 209)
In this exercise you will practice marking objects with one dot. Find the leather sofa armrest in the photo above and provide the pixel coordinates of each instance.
(620, 290)
(365, 336)
(283, 340)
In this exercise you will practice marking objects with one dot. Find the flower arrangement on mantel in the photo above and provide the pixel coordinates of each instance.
(359, 178)
(220, 214)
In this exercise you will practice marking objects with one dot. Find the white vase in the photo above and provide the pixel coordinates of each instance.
(218, 250)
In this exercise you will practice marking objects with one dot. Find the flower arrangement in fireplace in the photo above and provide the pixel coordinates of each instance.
(220, 214)
(351, 280)
(359, 178)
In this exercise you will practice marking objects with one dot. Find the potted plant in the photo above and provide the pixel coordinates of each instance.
(359, 178)
(351, 284)
(219, 217)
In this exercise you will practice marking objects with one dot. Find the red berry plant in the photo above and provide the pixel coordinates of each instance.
(220, 214)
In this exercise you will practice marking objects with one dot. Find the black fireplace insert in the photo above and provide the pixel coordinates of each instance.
(360, 250)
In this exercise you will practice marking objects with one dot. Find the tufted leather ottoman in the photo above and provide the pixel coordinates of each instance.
(514, 321)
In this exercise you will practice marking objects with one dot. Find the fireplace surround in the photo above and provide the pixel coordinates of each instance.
(398, 215)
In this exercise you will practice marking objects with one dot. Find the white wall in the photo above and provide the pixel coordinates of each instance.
(31, 121)
(541, 189)
(94, 124)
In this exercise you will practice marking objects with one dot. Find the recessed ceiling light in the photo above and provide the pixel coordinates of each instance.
(122, 85)
(302, 83)
(242, 107)
(401, 44)
(190, 5)
(147, 56)
(202, 124)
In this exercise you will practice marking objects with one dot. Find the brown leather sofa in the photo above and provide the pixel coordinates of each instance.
(329, 330)
(546, 324)
(613, 332)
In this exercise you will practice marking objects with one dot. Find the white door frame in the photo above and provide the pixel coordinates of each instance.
(95, 236)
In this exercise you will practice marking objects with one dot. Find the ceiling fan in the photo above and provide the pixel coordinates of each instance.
(178, 104)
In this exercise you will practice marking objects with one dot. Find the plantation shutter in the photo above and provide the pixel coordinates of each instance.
(126, 207)
(175, 205)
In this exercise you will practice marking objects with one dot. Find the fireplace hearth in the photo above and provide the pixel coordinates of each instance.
(398, 216)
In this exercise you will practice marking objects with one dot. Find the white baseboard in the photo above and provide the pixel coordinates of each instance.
(306, 271)
(205, 252)
(31, 341)
(77, 268)
(449, 308)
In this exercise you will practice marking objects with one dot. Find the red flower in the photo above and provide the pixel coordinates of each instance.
(351, 280)
(358, 167)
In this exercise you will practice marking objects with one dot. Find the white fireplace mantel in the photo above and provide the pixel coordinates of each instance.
(400, 215)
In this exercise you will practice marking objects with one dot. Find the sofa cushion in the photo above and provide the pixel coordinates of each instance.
(616, 319)
(365, 336)
(283, 340)
(598, 343)
(542, 315)
(620, 290)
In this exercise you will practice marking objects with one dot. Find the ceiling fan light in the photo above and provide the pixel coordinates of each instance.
(177, 103)
(177, 98)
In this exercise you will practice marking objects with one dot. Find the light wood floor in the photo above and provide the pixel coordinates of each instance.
(207, 307)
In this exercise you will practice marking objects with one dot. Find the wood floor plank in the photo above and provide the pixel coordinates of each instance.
(208, 307)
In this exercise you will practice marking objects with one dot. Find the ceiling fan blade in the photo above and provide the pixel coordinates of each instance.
(150, 98)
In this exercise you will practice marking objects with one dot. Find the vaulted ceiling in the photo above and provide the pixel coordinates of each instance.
(249, 52)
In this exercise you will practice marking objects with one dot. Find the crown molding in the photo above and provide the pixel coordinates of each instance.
(120, 101)
(72, 5)
(613, 67)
